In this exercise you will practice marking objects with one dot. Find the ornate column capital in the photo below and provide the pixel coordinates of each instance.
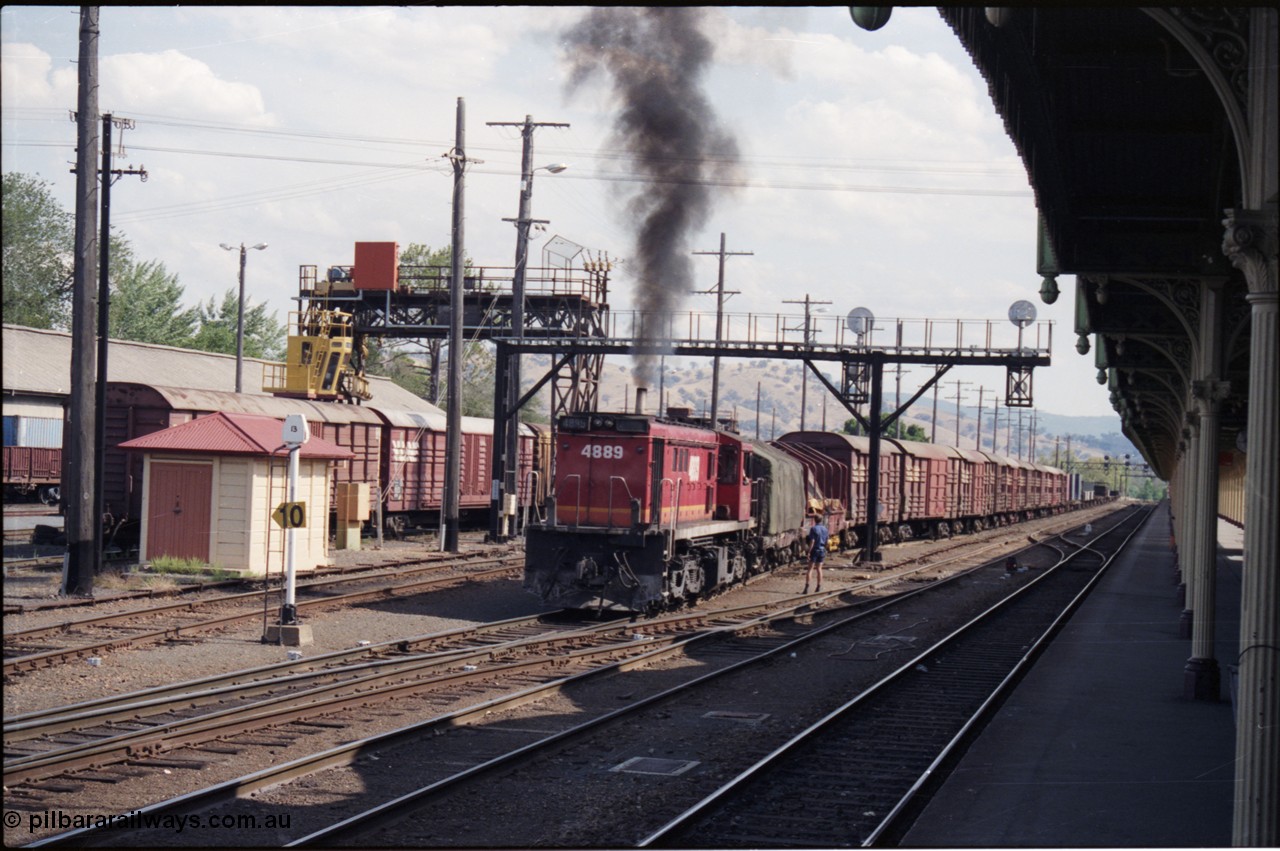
(1250, 242)
(1209, 393)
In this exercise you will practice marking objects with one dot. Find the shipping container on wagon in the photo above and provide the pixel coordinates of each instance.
(39, 432)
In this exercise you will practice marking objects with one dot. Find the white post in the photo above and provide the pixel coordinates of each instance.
(288, 614)
(296, 433)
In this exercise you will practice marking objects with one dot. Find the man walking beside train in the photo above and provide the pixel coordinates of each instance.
(818, 535)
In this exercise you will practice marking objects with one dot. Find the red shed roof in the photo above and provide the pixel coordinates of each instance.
(233, 434)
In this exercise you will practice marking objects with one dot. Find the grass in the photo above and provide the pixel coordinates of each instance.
(173, 566)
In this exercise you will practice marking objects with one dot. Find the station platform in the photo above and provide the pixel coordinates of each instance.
(1097, 746)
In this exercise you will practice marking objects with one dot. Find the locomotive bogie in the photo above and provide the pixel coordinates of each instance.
(636, 570)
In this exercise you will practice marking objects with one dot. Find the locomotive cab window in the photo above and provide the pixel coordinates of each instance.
(728, 465)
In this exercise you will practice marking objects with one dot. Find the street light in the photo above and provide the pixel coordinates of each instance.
(240, 310)
(511, 465)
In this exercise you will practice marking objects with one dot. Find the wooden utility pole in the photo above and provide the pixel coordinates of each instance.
(78, 498)
(804, 364)
(995, 425)
(104, 324)
(453, 409)
(720, 299)
(959, 396)
(933, 424)
(977, 432)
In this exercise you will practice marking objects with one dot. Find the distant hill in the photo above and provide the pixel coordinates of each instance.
(777, 386)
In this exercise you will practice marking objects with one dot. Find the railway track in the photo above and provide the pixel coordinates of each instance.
(722, 646)
(81, 638)
(96, 733)
(883, 746)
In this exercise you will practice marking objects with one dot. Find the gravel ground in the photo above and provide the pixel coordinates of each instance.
(235, 649)
(241, 647)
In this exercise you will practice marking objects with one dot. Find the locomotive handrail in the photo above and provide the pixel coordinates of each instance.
(675, 514)
(625, 487)
(531, 480)
(577, 498)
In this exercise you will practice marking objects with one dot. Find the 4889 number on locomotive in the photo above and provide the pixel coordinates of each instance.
(645, 512)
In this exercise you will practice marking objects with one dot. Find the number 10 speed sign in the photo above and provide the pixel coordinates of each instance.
(290, 515)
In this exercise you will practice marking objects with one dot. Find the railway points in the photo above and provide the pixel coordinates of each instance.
(289, 742)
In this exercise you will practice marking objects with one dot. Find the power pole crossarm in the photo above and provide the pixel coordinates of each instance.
(720, 300)
(804, 371)
(506, 451)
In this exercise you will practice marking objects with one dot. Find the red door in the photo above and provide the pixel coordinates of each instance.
(179, 507)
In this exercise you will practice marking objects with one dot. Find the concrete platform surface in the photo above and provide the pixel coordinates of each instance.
(1098, 747)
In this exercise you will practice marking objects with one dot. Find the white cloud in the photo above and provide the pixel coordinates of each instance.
(175, 84)
(29, 79)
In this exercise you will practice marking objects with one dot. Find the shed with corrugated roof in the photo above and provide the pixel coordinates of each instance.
(211, 486)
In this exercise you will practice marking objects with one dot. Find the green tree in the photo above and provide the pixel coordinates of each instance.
(897, 431)
(477, 380)
(264, 336)
(146, 305)
(424, 266)
(394, 359)
(39, 238)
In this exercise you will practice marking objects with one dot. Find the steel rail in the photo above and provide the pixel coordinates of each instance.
(60, 718)
(347, 753)
(366, 674)
(334, 757)
(349, 829)
(254, 595)
(703, 809)
(17, 664)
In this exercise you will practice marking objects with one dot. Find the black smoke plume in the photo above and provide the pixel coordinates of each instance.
(656, 59)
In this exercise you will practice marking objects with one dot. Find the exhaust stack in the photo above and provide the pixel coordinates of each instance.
(641, 392)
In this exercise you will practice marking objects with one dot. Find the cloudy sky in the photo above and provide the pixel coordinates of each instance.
(872, 170)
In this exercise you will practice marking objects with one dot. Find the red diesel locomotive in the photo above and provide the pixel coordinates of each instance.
(644, 511)
(648, 512)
